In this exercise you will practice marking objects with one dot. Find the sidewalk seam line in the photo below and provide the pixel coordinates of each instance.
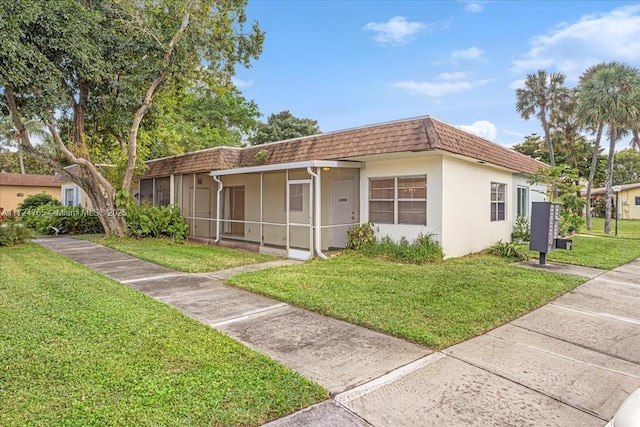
(388, 378)
(248, 314)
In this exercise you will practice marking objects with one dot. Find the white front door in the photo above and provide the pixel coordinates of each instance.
(342, 210)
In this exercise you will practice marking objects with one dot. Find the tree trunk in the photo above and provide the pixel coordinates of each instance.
(552, 157)
(592, 172)
(21, 159)
(613, 135)
(112, 220)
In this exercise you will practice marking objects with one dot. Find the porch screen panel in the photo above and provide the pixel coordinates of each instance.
(163, 191)
(381, 200)
(146, 191)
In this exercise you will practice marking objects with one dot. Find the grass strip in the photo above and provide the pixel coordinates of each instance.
(79, 349)
(188, 257)
(593, 251)
(436, 304)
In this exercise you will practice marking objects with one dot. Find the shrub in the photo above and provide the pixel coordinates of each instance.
(56, 219)
(422, 250)
(522, 230)
(360, 236)
(12, 233)
(36, 200)
(156, 221)
(506, 250)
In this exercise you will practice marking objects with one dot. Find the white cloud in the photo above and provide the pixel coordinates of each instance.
(516, 84)
(438, 88)
(471, 53)
(482, 128)
(451, 76)
(239, 83)
(396, 31)
(474, 6)
(572, 48)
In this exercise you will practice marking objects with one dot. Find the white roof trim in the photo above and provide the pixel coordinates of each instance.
(285, 166)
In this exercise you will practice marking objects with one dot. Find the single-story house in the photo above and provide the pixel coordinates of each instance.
(628, 200)
(14, 187)
(300, 196)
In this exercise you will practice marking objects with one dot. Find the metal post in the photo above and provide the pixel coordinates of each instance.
(543, 258)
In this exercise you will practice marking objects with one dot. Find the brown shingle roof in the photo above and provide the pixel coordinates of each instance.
(28, 180)
(419, 134)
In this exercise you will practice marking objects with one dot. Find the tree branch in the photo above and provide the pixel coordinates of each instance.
(133, 134)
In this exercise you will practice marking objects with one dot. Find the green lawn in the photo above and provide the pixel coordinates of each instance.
(627, 228)
(592, 251)
(187, 257)
(79, 349)
(435, 304)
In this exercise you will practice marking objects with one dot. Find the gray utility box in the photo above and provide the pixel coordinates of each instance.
(545, 223)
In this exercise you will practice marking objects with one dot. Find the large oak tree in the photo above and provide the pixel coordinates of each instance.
(90, 70)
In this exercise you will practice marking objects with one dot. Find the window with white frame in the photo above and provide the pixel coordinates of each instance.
(69, 197)
(398, 200)
(498, 201)
(523, 201)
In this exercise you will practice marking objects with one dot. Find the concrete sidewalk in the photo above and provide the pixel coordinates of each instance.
(571, 362)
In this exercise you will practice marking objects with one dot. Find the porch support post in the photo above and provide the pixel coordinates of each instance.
(286, 198)
(218, 198)
(318, 211)
(172, 191)
(193, 204)
(261, 196)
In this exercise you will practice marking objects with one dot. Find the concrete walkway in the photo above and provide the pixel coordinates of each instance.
(571, 362)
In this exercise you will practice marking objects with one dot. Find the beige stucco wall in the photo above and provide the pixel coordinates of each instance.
(467, 225)
(431, 166)
(628, 208)
(9, 199)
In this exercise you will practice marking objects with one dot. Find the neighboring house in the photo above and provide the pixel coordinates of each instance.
(299, 197)
(628, 200)
(72, 194)
(14, 187)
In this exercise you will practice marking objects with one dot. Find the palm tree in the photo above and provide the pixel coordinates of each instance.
(10, 138)
(609, 95)
(542, 94)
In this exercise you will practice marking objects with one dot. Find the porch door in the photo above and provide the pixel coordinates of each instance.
(200, 227)
(342, 210)
(233, 210)
(299, 207)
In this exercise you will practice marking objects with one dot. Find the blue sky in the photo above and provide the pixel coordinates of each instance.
(354, 63)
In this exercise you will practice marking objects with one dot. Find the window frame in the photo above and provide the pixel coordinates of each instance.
(396, 200)
(522, 210)
(495, 202)
(637, 200)
(296, 198)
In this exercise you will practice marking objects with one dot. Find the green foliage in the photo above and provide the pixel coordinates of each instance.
(36, 200)
(360, 236)
(197, 118)
(522, 229)
(283, 125)
(261, 156)
(156, 221)
(626, 169)
(507, 250)
(56, 219)
(13, 233)
(567, 181)
(423, 250)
